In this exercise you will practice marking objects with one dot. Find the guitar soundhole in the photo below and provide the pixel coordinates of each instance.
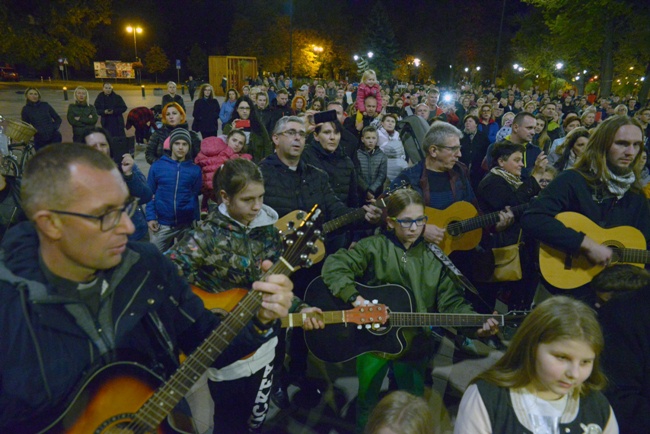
(119, 424)
(454, 229)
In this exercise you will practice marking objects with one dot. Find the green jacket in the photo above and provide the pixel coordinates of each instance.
(87, 119)
(381, 259)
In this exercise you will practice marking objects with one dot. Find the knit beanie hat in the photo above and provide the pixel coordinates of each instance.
(180, 134)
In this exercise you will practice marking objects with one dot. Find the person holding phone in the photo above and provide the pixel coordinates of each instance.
(246, 118)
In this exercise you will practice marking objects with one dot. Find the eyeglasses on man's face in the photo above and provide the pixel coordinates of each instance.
(294, 133)
(111, 218)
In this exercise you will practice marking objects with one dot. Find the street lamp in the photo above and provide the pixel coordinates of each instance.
(134, 30)
(559, 65)
(416, 62)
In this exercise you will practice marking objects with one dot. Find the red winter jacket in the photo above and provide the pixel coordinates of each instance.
(214, 153)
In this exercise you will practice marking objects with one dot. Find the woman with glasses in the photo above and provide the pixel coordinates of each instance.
(101, 140)
(398, 255)
(246, 118)
(502, 187)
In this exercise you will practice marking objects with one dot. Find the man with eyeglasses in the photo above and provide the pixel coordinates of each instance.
(441, 178)
(291, 184)
(74, 292)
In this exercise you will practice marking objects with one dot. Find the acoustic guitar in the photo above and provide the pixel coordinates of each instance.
(341, 342)
(462, 224)
(221, 303)
(287, 222)
(126, 397)
(568, 271)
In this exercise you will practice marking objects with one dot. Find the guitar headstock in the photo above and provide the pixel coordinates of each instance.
(515, 316)
(381, 200)
(301, 241)
(370, 315)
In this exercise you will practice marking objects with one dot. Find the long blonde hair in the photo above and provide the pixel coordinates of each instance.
(555, 319)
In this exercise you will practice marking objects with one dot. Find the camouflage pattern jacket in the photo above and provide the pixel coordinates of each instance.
(221, 254)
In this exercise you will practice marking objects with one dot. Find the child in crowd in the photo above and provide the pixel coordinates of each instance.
(617, 280)
(548, 380)
(403, 413)
(373, 163)
(176, 184)
(214, 153)
(399, 255)
(368, 87)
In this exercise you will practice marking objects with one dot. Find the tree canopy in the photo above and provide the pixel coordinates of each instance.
(39, 32)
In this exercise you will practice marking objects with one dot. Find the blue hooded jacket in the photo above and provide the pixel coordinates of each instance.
(176, 186)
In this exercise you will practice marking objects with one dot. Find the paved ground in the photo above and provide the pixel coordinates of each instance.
(329, 409)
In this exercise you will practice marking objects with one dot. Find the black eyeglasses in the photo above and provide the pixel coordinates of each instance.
(110, 218)
(408, 223)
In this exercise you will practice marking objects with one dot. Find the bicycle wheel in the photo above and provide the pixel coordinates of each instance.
(28, 153)
(9, 167)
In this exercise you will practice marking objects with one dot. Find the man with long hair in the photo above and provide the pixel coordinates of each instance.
(603, 186)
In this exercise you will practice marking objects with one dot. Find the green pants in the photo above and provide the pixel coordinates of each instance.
(371, 371)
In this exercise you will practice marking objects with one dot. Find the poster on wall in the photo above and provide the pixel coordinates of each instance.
(114, 69)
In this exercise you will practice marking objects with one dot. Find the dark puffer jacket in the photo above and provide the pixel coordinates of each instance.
(113, 122)
(42, 117)
(155, 145)
(289, 190)
(176, 187)
(339, 168)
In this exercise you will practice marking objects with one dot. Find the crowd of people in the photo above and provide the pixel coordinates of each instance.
(89, 274)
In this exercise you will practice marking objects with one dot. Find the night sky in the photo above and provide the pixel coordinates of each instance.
(438, 31)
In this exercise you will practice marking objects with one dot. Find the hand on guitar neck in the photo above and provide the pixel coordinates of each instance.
(277, 297)
(435, 234)
(598, 254)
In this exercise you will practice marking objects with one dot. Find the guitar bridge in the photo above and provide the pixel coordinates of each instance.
(568, 261)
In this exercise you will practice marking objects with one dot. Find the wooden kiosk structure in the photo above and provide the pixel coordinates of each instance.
(234, 68)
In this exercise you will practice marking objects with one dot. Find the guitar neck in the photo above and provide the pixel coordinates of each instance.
(346, 219)
(486, 220)
(408, 319)
(154, 411)
(298, 319)
(632, 256)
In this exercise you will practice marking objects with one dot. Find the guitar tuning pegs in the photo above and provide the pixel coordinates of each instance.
(289, 242)
(366, 302)
(300, 233)
(301, 215)
(375, 301)
(359, 327)
(375, 325)
(318, 232)
(304, 257)
(368, 326)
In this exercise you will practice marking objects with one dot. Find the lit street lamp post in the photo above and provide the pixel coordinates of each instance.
(135, 30)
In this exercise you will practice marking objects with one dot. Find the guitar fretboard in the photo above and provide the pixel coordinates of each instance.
(481, 221)
(408, 319)
(633, 256)
(298, 319)
(344, 220)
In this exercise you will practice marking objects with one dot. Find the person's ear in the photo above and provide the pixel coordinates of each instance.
(49, 224)
(224, 197)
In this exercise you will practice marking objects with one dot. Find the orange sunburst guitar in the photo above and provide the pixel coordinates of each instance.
(127, 398)
(462, 224)
(567, 271)
(223, 302)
